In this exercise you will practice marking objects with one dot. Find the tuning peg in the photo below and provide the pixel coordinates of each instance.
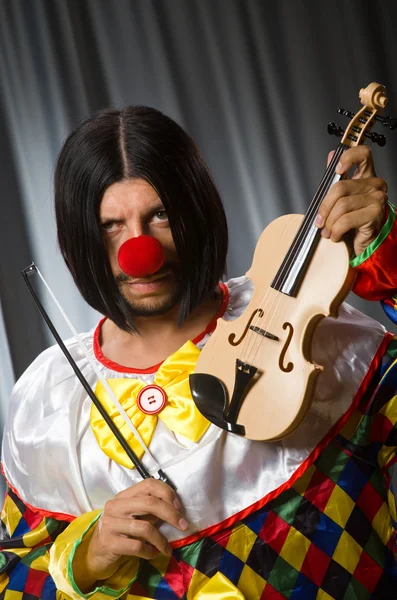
(376, 138)
(334, 129)
(387, 122)
(345, 113)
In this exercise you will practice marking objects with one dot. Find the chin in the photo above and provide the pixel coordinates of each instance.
(152, 307)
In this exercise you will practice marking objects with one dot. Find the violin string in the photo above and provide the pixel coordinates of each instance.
(325, 183)
(307, 223)
(327, 178)
(313, 208)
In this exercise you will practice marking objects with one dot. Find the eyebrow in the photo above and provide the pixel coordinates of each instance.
(155, 209)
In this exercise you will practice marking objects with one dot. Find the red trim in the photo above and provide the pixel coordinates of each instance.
(40, 511)
(209, 531)
(122, 369)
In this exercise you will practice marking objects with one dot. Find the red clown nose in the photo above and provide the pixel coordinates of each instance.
(141, 256)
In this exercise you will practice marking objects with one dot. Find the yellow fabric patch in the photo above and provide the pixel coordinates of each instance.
(219, 587)
(339, 506)
(382, 524)
(160, 562)
(250, 583)
(241, 541)
(196, 583)
(347, 553)
(37, 535)
(13, 595)
(295, 548)
(4, 579)
(321, 595)
(392, 505)
(301, 483)
(351, 425)
(10, 515)
(41, 563)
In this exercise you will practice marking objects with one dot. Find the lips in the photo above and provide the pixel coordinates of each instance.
(147, 281)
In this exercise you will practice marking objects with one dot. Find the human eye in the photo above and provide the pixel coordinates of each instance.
(108, 226)
(161, 215)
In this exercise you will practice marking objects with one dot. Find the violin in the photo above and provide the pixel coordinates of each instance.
(255, 376)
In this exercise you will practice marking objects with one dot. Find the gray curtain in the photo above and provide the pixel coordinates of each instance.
(254, 82)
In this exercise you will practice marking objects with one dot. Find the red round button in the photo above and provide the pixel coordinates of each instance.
(151, 399)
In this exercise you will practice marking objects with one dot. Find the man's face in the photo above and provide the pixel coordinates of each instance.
(129, 209)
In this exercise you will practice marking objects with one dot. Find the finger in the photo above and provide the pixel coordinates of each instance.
(136, 529)
(361, 157)
(330, 155)
(122, 546)
(346, 205)
(348, 188)
(145, 505)
(349, 221)
(152, 487)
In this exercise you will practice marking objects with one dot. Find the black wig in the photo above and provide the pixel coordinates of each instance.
(137, 142)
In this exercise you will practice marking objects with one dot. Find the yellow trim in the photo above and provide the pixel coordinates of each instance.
(61, 556)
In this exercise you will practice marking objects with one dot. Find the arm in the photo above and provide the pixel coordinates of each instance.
(358, 207)
(376, 267)
(37, 551)
(25, 540)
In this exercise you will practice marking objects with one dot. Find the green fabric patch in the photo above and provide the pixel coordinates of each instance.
(384, 232)
(356, 590)
(191, 553)
(332, 461)
(33, 554)
(283, 577)
(375, 548)
(361, 436)
(392, 349)
(287, 504)
(149, 578)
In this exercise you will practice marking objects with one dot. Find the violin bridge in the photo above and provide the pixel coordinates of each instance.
(264, 333)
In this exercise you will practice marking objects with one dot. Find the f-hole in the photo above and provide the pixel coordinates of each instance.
(232, 336)
(286, 368)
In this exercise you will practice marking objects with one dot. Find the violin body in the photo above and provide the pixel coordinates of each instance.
(279, 394)
(255, 376)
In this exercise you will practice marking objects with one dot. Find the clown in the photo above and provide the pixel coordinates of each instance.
(143, 232)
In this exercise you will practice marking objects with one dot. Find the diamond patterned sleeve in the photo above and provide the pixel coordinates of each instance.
(78, 534)
(384, 435)
(25, 539)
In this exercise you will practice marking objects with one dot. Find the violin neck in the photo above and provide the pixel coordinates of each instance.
(296, 262)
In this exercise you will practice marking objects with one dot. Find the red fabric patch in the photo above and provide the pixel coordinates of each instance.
(137, 590)
(319, 490)
(173, 577)
(274, 531)
(187, 574)
(367, 572)
(380, 429)
(269, 593)
(315, 564)
(35, 581)
(369, 501)
(377, 276)
(223, 537)
(33, 519)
